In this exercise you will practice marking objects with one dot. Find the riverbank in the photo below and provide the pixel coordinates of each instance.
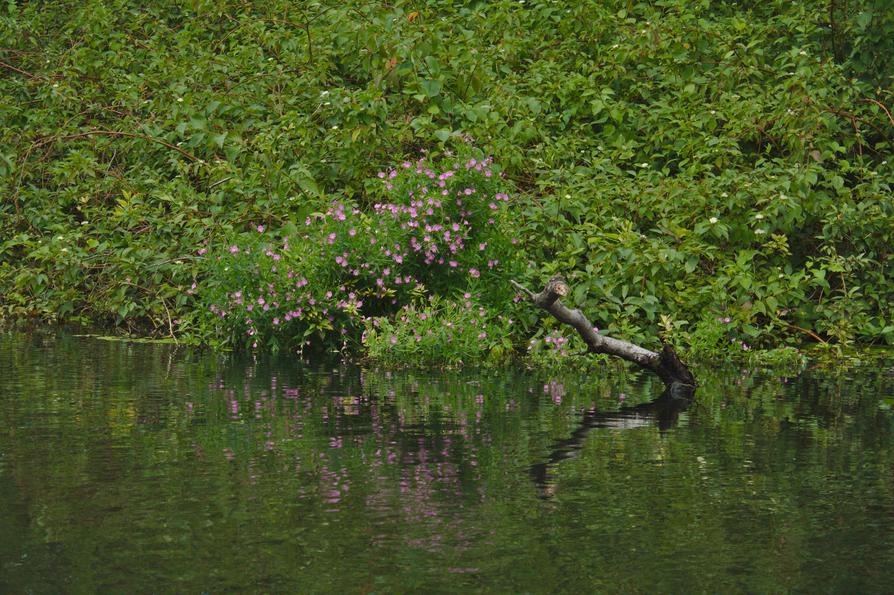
(713, 176)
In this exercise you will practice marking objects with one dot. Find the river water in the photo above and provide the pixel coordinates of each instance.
(128, 467)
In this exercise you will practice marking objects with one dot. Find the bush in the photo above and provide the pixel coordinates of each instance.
(440, 228)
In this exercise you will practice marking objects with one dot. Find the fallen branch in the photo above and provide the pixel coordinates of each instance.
(664, 363)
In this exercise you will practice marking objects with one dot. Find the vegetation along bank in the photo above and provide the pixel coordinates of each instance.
(369, 177)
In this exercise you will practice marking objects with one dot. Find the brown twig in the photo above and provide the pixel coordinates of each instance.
(119, 133)
(881, 105)
(20, 71)
(805, 331)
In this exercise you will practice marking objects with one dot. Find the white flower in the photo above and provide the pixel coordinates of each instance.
(712, 220)
(759, 231)
(759, 216)
(179, 100)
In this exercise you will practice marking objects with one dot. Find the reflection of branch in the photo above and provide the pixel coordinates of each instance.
(664, 410)
(665, 363)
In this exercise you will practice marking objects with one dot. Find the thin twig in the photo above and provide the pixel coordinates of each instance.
(888, 113)
(170, 323)
(522, 288)
(805, 331)
(119, 133)
(219, 182)
(19, 70)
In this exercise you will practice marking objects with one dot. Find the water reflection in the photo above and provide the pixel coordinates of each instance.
(662, 411)
(129, 467)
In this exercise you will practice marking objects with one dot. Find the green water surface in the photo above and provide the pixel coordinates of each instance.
(130, 467)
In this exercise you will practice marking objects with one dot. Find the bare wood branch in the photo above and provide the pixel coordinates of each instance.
(664, 363)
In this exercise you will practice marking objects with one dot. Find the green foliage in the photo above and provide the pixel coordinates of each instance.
(678, 161)
(440, 332)
(441, 227)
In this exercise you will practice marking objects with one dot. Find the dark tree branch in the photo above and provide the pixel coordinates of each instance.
(665, 363)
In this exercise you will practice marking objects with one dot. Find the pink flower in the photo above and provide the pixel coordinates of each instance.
(474, 273)
(260, 229)
(234, 249)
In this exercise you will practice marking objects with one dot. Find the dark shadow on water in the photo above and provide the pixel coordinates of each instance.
(662, 411)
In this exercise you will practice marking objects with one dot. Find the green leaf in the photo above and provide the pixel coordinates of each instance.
(431, 87)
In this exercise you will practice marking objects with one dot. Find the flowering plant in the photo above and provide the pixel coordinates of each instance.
(432, 229)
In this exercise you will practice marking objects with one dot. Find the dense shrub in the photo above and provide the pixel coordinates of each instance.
(440, 229)
(681, 162)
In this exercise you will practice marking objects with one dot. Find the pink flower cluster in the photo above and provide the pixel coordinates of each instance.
(431, 223)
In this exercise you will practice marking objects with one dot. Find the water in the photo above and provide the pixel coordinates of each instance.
(133, 467)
